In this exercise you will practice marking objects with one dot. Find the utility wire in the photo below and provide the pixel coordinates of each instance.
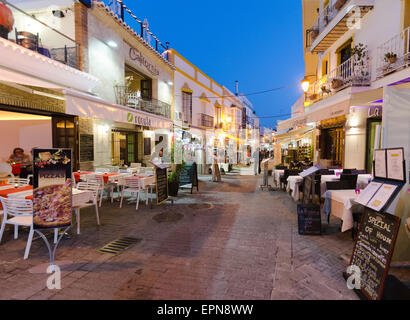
(247, 94)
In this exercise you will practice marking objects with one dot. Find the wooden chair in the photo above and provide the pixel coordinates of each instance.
(27, 39)
(350, 179)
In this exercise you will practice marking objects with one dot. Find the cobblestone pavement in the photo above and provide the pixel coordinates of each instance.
(244, 246)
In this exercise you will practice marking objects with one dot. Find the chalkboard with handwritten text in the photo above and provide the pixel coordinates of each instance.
(373, 251)
(309, 219)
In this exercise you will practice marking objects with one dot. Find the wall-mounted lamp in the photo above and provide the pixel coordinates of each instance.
(112, 44)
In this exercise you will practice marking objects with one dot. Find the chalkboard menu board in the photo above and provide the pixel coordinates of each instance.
(189, 176)
(309, 219)
(161, 178)
(86, 147)
(373, 251)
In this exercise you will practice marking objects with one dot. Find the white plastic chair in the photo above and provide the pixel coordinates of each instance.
(19, 181)
(99, 179)
(94, 188)
(6, 170)
(114, 169)
(131, 185)
(21, 211)
(102, 170)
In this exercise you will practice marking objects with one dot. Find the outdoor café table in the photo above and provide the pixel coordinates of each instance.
(81, 175)
(276, 176)
(79, 196)
(362, 181)
(293, 185)
(10, 190)
(340, 203)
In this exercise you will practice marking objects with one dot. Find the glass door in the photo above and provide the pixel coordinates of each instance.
(124, 147)
(374, 132)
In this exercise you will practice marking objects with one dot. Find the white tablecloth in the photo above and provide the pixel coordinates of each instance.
(340, 203)
(79, 196)
(293, 186)
(362, 181)
(276, 176)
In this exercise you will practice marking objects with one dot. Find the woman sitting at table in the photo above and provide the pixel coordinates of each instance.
(20, 158)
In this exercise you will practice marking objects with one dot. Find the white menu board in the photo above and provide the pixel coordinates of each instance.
(381, 197)
(395, 164)
(368, 193)
(380, 168)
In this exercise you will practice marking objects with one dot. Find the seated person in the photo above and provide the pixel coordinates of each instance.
(19, 157)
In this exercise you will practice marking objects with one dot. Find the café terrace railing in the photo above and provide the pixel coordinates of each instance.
(31, 31)
(352, 73)
(126, 96)
(394, 54)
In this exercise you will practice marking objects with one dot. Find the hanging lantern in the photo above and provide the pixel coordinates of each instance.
(6, 20)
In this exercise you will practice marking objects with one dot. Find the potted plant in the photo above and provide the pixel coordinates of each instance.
(339, 4)
(173, 180)
(336, 83)
(314, 33)
(313, 96)
(390, 57)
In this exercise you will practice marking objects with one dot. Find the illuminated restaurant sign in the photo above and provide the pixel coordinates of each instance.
(136, 55)
(139, 120)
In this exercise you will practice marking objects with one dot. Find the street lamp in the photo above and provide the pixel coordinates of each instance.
(305, 85)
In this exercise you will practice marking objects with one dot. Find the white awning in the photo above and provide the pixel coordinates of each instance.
(88, 106)
(19, 78)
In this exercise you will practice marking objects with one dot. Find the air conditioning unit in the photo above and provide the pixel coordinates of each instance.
(178, 116)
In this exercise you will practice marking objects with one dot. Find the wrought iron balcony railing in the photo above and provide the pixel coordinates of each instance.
(352, 73)
(206, 120)
(325, 16)
(126, 96)
(394, 54)
(32, 32)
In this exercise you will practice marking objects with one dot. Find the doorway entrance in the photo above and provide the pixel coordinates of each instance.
(373, 140)
(65, 134)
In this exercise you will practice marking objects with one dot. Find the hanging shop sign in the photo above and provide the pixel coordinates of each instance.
(136, 55)
(375, 111)
(52, 188)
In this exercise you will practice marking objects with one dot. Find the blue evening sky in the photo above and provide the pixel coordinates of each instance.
(259, 43)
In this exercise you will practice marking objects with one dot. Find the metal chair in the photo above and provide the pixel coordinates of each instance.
(21, 211)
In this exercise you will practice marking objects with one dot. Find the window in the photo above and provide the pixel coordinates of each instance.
(344, 52)
(187, 106)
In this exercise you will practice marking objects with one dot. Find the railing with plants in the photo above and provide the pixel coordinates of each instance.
(32, 30)
(126, 96)
(394, 54)
(354, 72)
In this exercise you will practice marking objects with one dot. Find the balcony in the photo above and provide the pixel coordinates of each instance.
(126, 96)
(393, 55)
(334, 21)
(206, 121)
(354, 72)
(32, 32)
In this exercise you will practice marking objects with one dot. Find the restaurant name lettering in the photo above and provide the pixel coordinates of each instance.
(136, 55)
(138, 120)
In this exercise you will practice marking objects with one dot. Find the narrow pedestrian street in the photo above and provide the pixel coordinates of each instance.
(230, 240)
